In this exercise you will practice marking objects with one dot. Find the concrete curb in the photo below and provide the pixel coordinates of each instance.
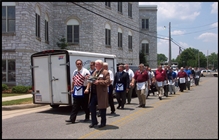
(24, 106)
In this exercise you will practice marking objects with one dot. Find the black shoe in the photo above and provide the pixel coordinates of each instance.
(69, 121)
(100, 126)
(98, 115)
(160, 98)
(174, 92)
(140, 106)
(143, 106)
(113, 112)
(118, 107)
(85, 120)
(122, 107)
(128, 103)
(92, 125)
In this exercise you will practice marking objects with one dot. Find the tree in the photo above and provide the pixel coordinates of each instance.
(161, 58)
(191, 57)
(62, 43)
(213, 61)
(142, 58)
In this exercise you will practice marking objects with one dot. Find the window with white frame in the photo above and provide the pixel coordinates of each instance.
(73, 31)
(129, 9)
(145, 47)
(119, 37)
(130, 40)
(46, 29)
(8, 70)
(107, 35)
(120, 7)
(145, 23)
(37, 14)
(107, 4)
(8, 17)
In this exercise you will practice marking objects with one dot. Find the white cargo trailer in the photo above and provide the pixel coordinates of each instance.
(52, 70)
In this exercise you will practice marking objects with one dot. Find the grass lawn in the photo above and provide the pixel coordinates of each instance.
(18, 102)
(12, 94)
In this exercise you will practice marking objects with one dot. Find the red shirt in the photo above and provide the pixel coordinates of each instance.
(141, 76)
(182, 74)
(160, 75)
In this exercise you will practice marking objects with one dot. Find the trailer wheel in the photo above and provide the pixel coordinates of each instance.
(54, 106)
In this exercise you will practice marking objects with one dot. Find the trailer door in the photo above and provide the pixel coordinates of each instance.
(59, 79)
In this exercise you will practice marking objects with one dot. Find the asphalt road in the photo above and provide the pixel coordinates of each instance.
(187, 115)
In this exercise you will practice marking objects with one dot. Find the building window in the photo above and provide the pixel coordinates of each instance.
(37, 14)
(8, 17)
(8, 70)
(130, 42)
(119, 38)
(107, 4)
(73, 31)
(120, 7)
(145, 23)
(46, 29)
(145, 48)
(129, 9)
(107, 35)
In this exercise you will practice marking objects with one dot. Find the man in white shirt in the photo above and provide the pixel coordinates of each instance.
(110, 88)
(131, 79)
(79, 83)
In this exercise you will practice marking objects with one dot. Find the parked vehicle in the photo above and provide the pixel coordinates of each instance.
(52, 71)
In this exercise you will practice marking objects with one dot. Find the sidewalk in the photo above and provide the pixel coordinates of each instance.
(23, 106)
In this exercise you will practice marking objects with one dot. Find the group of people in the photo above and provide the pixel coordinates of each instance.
(167, 79)
(92, 89)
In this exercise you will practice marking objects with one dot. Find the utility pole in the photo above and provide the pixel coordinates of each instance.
(169, 46)
(207, 59)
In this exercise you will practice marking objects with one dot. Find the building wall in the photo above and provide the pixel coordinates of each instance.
(23, 43)
(149, 12)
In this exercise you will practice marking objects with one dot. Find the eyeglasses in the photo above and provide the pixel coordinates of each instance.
(78, 63)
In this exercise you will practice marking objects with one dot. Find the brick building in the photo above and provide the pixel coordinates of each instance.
(119, 28)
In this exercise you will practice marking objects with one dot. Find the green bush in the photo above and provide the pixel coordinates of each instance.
(29, 87)
(4, 87)
(20, 89)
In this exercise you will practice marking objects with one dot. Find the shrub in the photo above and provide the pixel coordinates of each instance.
(20, 89)
(29, 87)
(4, 87)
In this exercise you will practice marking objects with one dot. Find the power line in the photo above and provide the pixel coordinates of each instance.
(117, 22)
(196, 27)
(195, 32)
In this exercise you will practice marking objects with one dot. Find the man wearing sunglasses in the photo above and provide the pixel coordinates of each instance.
(79, 82)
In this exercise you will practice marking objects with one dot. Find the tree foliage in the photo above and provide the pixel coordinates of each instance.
(62, 43)
(161, 58)
(142, 58)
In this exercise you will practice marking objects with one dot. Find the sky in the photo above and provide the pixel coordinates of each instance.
(192, 25)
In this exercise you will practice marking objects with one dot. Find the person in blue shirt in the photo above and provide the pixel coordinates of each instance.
(188, 72)
(172, 80)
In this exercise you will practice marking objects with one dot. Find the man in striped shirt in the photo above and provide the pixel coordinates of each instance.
(79, 82)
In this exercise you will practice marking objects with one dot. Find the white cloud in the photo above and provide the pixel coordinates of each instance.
(214, 24)
(208, 37)
(177, 32)
(176, 10)
(214, 9)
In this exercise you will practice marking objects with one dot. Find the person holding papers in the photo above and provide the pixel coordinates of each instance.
(142, 80)
(171, 80)
(121, 86)
(79, 82)
(182, 79)
(160, 77)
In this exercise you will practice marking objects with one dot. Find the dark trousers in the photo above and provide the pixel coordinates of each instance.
(110, 97)
(188, 85)
(166, 90)
(93, 110)
(196, 81)
(77, 104)
(182, 86)
(121, 97)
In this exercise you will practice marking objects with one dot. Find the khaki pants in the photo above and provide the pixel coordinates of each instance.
(141, 96)
(160, 90)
